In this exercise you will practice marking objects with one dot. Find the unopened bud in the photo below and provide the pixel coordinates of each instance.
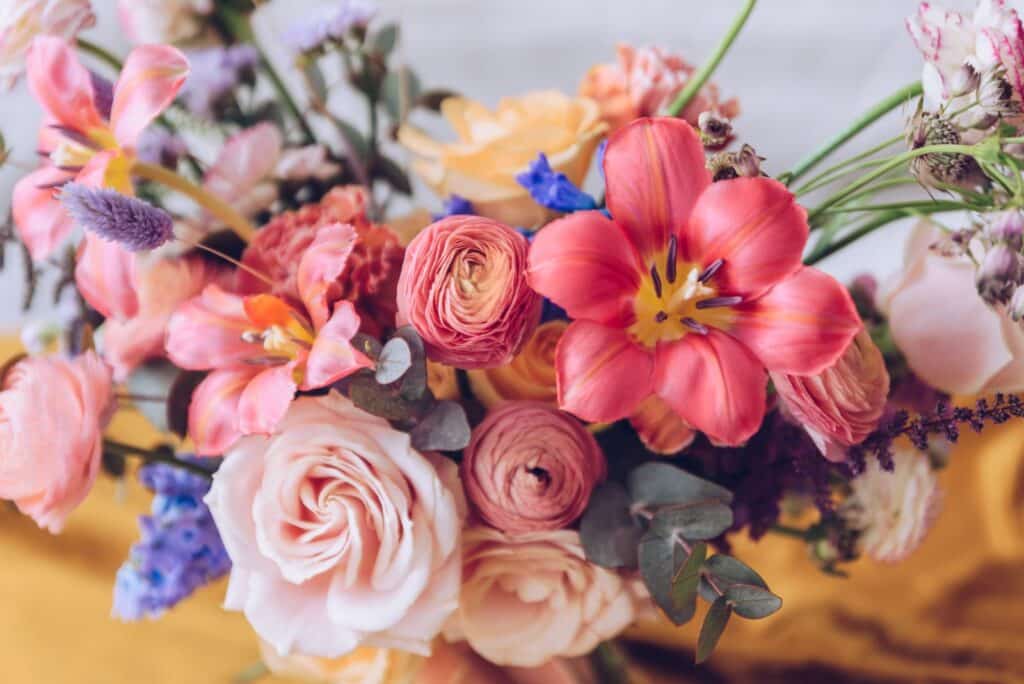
(1016, 308)
(742, 164)
(965, 80)
(999, 274)
(1006, 227)
(715, 129)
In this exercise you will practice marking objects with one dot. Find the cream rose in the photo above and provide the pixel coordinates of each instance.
(365, 665)
(530, 375)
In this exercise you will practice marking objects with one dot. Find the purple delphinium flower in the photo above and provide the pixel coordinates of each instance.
(179, 551)
(128, 221)
(214, 74)
(455, 205)
(332, 23)
(552, 189)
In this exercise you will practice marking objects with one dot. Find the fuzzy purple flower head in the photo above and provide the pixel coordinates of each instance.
(331, 24)
(135, 225)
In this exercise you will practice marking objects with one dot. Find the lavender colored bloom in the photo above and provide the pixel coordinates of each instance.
(455, 206)
(330, 24)
(214, 74)
(102, 94)
(179, 551)
(158, 146)
(552, 189)
(130, 222)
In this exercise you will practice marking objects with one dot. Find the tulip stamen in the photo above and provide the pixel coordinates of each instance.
(693, 325)
(711, 270)
(660, 317)
(76, 137)
(670, 265)
(656, 280)
(715, 302)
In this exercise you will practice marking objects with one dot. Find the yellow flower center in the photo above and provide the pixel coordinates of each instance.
(282, 335)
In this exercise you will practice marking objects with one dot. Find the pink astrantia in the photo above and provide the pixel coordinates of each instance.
(690, 292)
(261, 350)
(81, 142)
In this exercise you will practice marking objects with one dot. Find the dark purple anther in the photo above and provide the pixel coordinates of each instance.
(714, 302)
(711, 270)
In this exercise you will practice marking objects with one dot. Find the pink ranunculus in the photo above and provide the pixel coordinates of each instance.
(53, 411)
(262, 349)
(842, 405)
(22, 20)
(643, 82)
(341, 535)
(163, 285)
(464, 290)
(531, 597)
(689, 292)
(530, 467)
(88, 145)
(950, 337)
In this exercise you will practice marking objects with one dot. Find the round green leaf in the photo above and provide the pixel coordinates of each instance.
(659, 484)
(395, 359)
(702, 520)
(714, 624)
(752, 602)
(608, 532)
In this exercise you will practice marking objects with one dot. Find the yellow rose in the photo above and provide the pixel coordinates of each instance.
(364, 665)
(494, 146)
(530, 375)
(442, 381)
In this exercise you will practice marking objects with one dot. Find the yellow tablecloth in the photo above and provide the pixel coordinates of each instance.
(953, 612)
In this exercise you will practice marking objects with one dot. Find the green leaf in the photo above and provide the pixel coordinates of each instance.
(179, 398)
(367, 345)
(400, 92)
(382, 400)
(383, 41)
(391, 172)
(714, 624)
(414, 382)
(444, 428)
(751, 601)
(726, 571)
(153, 381)
(684, 584)
(432, 99)
(608, 532)
(658, 484)
(395, 359)
(354, 137)
(315, 79)
(701, 520)
(659, 557)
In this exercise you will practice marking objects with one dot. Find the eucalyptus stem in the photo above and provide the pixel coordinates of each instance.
(789, 531)
(850, 165)
(611, 663)
(872, 115)
(100, 53)
(154, 456)
(698, 80)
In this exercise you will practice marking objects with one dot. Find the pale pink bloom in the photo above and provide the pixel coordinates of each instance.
(22, 20)
(162, 21)
(341, 535)
(893, 510)
(262, 350)
(98, 148)
(950, 337)
(301, 163)
(242, 173)
(842, 405)
(53, 411)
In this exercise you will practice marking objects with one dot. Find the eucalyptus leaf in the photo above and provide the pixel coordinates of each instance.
(367, 345)
(383, 40)
(151, 382)
(751, 601)
(400, 92)
(315, 79)
(414, 382)
(726, 571)
(395, 359)
(714, 624)
(356, 140)
(432, 99)
(658, 558)
(684, 584)
(444, 428)
(608, 532)
(390, 171)
(179, 398)
(380, 400)
(658, 484)
(701, 520)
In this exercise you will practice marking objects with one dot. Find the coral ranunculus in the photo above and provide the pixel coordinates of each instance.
(341, 535)
(494, 147)
(463, 288)
(530, 467)
(52, 415)
(842, 405)
(529, 376)
(689, 292)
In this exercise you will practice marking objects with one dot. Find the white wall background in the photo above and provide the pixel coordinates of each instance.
(803, 69)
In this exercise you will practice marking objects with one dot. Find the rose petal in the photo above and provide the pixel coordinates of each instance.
(213, 413)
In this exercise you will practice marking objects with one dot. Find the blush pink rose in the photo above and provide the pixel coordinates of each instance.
(341, 534)
(530, 467)
(463, 288)
(842, 405)
(53, 411)
(529, 598)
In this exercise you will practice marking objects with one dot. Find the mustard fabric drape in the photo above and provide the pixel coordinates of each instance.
(953, 612)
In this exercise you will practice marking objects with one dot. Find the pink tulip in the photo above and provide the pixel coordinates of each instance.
(94, 147)
(689, 292)
(261, 349)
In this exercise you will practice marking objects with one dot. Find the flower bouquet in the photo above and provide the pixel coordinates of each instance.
(479, 444)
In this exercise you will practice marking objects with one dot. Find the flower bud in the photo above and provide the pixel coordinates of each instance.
(1016, 307)
(715, 129)
(1006, 227)
(999, 275)
(743, 164)
(965, 80)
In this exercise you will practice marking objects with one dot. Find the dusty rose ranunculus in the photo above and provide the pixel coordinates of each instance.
(530, 467)
(53, 411)
(463, 288)
(341, 535)
(842, 405)
(22, 20)
(529, 376)
(645, 80)
(531, 597)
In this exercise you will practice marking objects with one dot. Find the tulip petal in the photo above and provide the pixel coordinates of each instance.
(106, 277)
(715, 384)
(213, 413)
(247, 158)
(660, 428)
(61, 84)
(655, 172)
(333, 357)
(266, 399)
(40, 219)
(801, 326)
(319, 268)
(755, 225)
(602, 374)
(586, 265)
(206, 331)
(149, 82)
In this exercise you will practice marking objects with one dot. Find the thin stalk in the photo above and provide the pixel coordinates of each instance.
(820, 182)
(788, 531)
(154, 456)
(872, 115)
(840, 169)
(217, 207)
(884, 184)
(913, 205)
(99, 53)
(698, 80)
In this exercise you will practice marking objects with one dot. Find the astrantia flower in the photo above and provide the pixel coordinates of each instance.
(331, 23)
(22, 20)
(689, 292)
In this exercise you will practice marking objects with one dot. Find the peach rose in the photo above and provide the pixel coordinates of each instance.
(53, 411)
(842, 405)
(495, 146)
(365, 665)
(530, 375)
(442, 381)
(532, 597)
(643, 82)
(463, 288)
(458, 664)
(530, 467)
(341, 534)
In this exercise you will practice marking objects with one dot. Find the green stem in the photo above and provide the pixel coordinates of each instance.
(788, 531)
(872, 115)
(913, 205)
(698, 80)
(102, 54)
(881, 185)
(611, 663)
(154, 456)
(847, 166)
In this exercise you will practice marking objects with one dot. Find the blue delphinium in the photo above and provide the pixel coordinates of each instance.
(454, 206)
(552, 189)
(179, 550)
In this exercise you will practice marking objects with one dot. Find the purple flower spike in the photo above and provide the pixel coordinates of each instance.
(130, 222)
